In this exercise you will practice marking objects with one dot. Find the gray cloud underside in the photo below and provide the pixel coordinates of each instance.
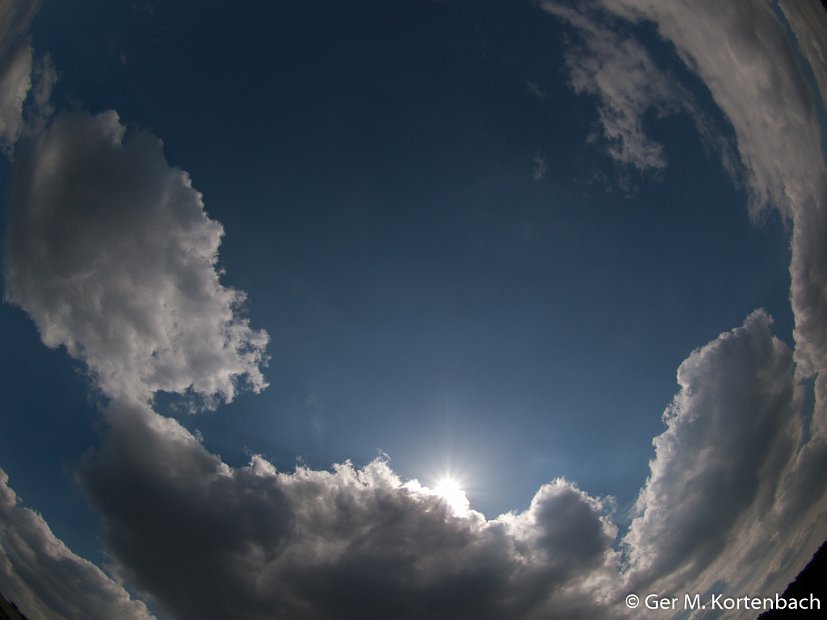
(207, 539)
(46, 579)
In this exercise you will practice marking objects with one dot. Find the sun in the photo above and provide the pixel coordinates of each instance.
(449, 489)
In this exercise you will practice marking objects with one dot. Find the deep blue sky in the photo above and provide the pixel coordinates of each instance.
(372, 164)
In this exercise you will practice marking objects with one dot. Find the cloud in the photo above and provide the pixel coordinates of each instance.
(711, 502)
(110, 252)
(757, 81)
(209, 540)
(807, 20)
(743, 54)
(15, 69)
(534, 89)
(621, 74)
(760, 83)
(198, 534)
(539, 169)
(612, 65)
(45, 578)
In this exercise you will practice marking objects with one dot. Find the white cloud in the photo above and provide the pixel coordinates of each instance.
(111, 253)
(44, 577)
(713, 499)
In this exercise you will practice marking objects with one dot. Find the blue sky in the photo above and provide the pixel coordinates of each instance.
(475, 239)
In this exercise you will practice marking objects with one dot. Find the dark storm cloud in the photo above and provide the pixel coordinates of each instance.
(209, 540)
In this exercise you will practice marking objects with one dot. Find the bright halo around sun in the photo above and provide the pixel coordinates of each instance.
(449, 489)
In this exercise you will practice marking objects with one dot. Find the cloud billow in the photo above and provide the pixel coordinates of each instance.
(207, 539)
(733, 429)
(111, 253)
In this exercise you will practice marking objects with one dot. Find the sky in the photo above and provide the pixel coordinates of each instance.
(417, 309)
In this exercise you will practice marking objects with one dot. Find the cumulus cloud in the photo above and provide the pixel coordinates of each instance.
(209, 540)
(110, 252)
(45, 578)
(710, 503)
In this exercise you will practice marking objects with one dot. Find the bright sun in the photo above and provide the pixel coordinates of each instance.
(449, 489)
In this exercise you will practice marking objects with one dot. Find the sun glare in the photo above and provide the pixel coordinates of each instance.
(449, 489)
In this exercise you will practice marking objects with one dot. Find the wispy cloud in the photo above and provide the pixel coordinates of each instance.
(535, 90)
(620, 73)
(608, 63)
(15, 69)
(539, 170)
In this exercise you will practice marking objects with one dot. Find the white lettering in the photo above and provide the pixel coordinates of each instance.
(652, 601)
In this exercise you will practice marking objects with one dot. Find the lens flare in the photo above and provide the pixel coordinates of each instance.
(449, 489)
